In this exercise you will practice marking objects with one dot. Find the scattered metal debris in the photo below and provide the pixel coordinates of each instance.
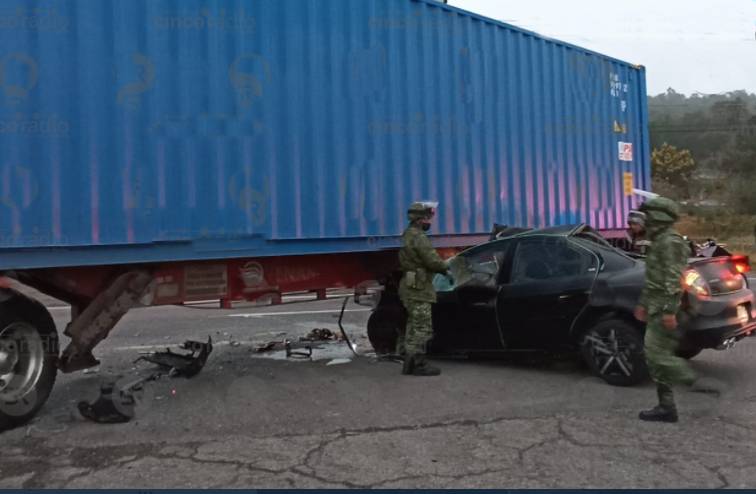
(268, 347)
(187, 365)
(338, 361)
(115, 405)
(291, 353)
(288, 346)
(316, 335)
(291, 349)
(320, 334)
(352, 347)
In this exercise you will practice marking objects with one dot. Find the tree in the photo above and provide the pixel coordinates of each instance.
(673, 166)
(739, 163)
(719, 130)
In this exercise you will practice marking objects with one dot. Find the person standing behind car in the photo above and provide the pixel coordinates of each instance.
(419, 261)
(636, 222)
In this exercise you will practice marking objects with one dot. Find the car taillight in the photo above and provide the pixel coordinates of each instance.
(716, 277)
(742, 264)
(695, 283)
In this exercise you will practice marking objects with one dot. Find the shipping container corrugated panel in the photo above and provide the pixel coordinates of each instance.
(183, 129)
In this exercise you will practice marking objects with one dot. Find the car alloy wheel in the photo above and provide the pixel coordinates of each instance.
(609, 355)
(614, 351)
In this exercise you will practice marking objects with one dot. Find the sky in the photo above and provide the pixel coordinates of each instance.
(705, 46)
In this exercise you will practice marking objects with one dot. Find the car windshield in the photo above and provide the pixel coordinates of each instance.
(477, 266)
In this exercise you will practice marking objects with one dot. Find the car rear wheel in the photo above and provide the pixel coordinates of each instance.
(28, 357)
(384, 326)
(613, 349)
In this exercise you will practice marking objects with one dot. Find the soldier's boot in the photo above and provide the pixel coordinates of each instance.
(665, 411)
(409, 364)
(659, 414)
(422, 368)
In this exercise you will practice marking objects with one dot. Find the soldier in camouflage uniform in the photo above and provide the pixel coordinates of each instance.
(419, 262)
(667, 260)
(636, 230)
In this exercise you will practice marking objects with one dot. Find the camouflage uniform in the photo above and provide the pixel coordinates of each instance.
(419, 261)
(665, 264)
(638, 242)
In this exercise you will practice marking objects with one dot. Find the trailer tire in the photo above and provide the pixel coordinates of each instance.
(28, 358)
(384, 326)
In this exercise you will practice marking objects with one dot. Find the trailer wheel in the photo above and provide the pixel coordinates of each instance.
(384, 326)
(28, 358)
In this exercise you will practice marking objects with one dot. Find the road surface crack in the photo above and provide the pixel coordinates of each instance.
(522, 452)
(302, 469)
(717, 471)
(298, 471)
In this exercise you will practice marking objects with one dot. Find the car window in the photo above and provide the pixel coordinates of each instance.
(550, 258)
(614, 259)
(480, 265)
(591, 236)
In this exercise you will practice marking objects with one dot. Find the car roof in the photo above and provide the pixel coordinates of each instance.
(560, 231)
(580, 231)
(587, 236)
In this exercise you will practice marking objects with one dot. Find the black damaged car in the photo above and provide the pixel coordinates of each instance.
(567, 289)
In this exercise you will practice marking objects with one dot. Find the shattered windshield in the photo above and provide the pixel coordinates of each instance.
(477, 266)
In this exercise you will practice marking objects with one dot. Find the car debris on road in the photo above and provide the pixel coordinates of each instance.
(316, 335)
(116, 404)
(267, 347)
(288, 346)
(290, 352)
(320, 334)
(187, 365)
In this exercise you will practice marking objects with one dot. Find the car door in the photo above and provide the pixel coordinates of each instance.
(464, 319)
(547, 286)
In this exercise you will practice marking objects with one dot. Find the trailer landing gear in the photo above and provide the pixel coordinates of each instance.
(94, 323)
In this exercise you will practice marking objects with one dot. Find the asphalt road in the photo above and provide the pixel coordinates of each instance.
(250, 420)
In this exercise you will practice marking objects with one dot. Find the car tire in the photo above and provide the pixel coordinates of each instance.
(28, 360)
(688, 353)
(613, 350)
(384, 326)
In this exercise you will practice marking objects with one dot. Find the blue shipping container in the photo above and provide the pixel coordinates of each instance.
(159, 130)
